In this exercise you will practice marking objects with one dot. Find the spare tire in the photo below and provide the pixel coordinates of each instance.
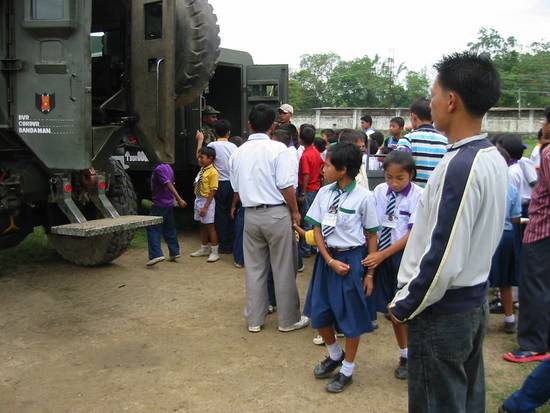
(102, 249)
(197, 48)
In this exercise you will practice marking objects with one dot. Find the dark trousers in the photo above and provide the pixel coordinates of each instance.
(446, 362)
(222, 219)
(306, 250)
(534, 392)
(238, 254)
(534, 296)
(167, 230)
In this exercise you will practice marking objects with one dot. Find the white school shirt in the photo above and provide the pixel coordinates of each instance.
(224, 150)
(294, 154)
(259, 169)
(535, 155)
(356, 213)
(300, 152)
(519, 179)
(405, 208)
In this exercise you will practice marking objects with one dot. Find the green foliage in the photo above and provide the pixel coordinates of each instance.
(524, 70)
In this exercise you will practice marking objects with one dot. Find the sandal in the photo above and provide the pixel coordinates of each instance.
(524, 356)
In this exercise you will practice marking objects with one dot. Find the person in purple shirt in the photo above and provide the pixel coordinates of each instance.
(164, 196)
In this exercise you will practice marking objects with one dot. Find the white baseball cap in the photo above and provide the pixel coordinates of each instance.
(286, 108)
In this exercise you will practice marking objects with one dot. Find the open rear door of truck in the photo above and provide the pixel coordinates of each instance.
(266, 84)
(153, 73)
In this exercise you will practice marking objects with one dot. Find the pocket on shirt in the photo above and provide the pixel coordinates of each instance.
(347, 221)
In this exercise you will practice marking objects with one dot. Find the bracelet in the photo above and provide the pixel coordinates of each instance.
(328, 263)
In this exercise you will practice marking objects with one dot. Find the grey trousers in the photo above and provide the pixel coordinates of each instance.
(269, 244)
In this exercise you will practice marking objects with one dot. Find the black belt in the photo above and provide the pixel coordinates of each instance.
(265, 206)
(336, 249)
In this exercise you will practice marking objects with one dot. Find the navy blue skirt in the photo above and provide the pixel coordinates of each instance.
(505, 263)
(385, 281)
(336, 300)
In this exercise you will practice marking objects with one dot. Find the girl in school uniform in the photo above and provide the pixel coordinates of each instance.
(396, 203)
(505, 263)
(345, 224)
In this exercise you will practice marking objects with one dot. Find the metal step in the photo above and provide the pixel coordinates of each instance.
(97, 227)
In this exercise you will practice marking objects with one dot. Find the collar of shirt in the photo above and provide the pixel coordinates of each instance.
(466, 141)
(348, 188)
(206, 168)
(258, 137)
(426, 127)
(404, 192)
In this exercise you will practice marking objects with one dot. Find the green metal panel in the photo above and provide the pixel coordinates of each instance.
(267, 84)
(52, 90)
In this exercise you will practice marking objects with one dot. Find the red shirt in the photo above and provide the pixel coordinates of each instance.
(538, 227)
(311, 163)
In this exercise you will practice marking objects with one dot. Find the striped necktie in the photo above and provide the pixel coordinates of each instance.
(385, 234)
(327, 229)
(198, 185)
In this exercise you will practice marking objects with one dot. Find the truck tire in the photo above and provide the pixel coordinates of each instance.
(102, 249)
(197, 48)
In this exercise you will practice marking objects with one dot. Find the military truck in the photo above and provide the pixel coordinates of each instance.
(93, 94)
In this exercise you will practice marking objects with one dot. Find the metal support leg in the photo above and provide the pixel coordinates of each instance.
(100, 200)
(62, 194)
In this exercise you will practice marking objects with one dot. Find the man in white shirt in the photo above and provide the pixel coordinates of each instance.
(262, 173)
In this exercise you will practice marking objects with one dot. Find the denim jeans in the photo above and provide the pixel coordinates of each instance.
(167, 230)
(534, 392)
(445, 363)
(238, 254)
(222, 220)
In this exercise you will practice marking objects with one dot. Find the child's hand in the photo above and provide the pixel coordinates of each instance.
(339, 267)
(368, 285)
(299, 230)
(203, 211)
(374, 259)
(232, 212)
(199, 136)
(182, 203)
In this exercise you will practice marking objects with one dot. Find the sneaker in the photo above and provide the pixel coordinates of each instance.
(271, 309)
(237, 265)
(495, 307)
(254, 329)
(304, 322)
(339, 383)
(509, 328)
(301, 269)
(201, 252)
(213, 257)
(401, 371)
(173, 258)
(154, 261)
(525, 356)
(324, 369)
(318, 340)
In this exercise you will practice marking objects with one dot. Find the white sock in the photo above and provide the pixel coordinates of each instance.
(215, 249)
(510, 318)
(347, 368)
(334, 351)
(204, 247)
(404, 352)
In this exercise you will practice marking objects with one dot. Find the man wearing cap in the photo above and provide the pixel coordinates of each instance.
(286, 112)
(209, 117)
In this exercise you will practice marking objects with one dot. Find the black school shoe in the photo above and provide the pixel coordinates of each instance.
(401, 372)
(324, 369)
(339, 383)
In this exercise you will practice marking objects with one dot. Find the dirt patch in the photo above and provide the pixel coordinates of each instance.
(173, 339)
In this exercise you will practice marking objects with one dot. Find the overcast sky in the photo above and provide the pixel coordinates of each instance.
(415, 32)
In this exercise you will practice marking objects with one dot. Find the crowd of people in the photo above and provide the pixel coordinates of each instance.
(422, 248)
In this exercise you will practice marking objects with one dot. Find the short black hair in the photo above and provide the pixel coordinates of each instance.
(512, 144)
(367, 118)
(307, 134)
(351, 136)
(398, 120)
(504, 154)
(401, 158)
(319, 144)
(329, 132)
(222, 127)
(236, 140)
(421, 108)
(208, 151)
(547, 113)
(291, 129)
(261, 118)
(539, 134)
(473, 77)
(373, 147)
(346, 155)
(378, 137)
(282, 135)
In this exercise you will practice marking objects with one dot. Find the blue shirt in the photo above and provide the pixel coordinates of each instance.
(513, 207)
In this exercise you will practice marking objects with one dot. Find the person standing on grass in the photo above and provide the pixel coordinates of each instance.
(443, 274)
(263, 176)
(164, 196)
